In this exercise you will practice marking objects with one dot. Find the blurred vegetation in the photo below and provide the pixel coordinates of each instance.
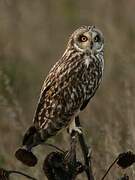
(33, 35)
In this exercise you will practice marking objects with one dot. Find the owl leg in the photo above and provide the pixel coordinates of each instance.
(74, 128)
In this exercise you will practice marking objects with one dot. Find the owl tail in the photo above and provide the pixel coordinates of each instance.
(32, 138)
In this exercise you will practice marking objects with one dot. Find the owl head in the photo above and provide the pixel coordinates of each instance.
(87, 39)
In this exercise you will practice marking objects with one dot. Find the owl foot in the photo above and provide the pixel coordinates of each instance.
(76, 129)
(73, 128)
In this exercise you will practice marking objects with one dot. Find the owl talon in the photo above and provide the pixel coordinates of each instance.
(73, 128)
(76, 129)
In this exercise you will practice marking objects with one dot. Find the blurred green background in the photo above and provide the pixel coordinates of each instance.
(33, 36)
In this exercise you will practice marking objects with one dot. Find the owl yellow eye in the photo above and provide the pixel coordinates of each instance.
(83, 38)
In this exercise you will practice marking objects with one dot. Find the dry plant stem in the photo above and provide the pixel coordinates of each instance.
(72, 150)
(53, 146)
(70, 157)
(18, 172)
(85, 151)
(109, 168)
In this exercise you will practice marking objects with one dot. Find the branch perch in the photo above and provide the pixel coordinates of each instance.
(85, 151)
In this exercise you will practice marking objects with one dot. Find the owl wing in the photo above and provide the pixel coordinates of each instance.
(61, 78)
(45, 88)
(40, 104)
(48, 83)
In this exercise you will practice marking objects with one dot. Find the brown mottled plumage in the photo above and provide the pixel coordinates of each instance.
(69, 85)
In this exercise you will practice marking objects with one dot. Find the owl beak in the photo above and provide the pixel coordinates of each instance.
(90, 31)
(91, 45)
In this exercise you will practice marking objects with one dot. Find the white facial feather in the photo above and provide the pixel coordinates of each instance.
(78, 48)
(87, 61)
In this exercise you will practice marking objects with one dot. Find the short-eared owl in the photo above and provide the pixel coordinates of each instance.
(69, 86)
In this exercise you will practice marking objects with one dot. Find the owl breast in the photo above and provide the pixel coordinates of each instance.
(93, 74)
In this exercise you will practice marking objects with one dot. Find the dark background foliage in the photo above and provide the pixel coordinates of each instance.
(33, 35)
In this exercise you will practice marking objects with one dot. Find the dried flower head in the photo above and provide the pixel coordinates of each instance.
(26, 157)
(52, 165)
(125, 177)
(126, 159)
(79, 167)
(56, 168)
